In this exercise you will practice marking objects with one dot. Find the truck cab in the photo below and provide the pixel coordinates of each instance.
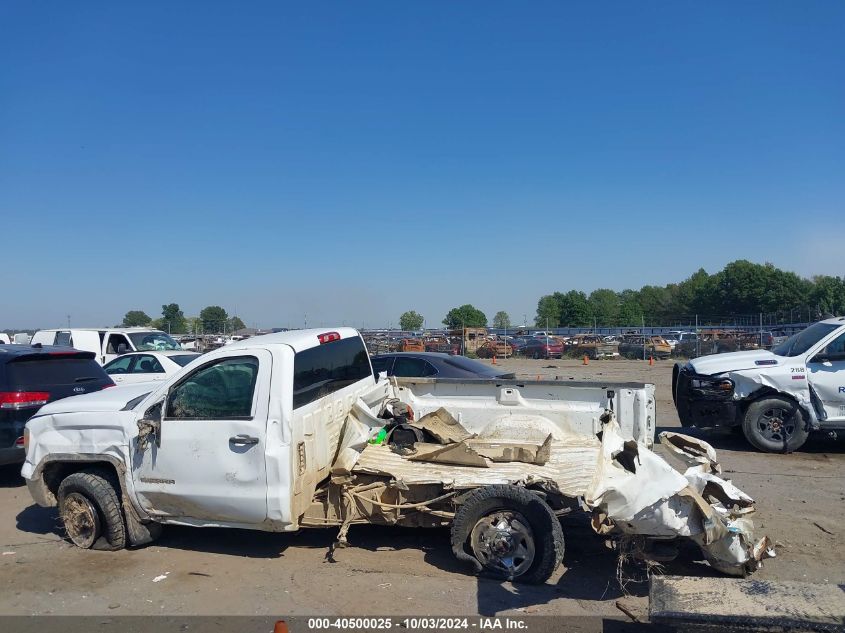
(212, 445)
(776, 397)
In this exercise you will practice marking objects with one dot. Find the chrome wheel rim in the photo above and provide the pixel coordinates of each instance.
(503, 542)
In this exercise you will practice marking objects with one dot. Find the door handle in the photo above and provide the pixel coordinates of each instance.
(243, 440)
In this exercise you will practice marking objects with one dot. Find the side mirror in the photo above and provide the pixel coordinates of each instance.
(150, 425)
(121, 348)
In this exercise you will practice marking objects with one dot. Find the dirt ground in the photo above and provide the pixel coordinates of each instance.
(393, 571)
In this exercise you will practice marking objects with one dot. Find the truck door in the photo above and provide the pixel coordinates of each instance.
(89, 341)
(208, 462)
(116, 345)
(826, 373)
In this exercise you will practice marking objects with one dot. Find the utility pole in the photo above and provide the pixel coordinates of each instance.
(68, 321)
(547, 335)
(643, 331)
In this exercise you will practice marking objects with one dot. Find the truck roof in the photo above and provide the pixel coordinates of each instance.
(299, 340)
(139, 328)
(835, 321)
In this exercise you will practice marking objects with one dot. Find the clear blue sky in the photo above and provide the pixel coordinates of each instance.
(350, 160)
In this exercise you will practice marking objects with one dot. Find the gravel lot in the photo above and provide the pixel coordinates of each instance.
(401, 571)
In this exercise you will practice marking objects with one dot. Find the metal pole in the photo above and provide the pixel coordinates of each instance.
(697, 339)
(643, 333)
(547, 335)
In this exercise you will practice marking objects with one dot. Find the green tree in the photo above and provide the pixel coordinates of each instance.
(574, 309)
(465, 316)
(136, 318)
(501, 320)
(172, 315)
(694, 295)
(411, 320)
(548, 311)
(213, 319)
(604, 304)
(235, 324)
(630, 311)
(654, 301)
(828, 295)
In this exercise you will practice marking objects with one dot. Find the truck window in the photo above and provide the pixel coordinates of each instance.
(835, 350)
(63, 338)
(220, 391)
(322, 370)
(115, 340)
(799, 343)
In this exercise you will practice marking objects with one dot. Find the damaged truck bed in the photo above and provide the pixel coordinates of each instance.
(629, 490)
(293, 430)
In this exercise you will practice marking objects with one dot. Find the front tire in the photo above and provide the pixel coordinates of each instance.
(775, 425)
(89, 506)
(511, 533)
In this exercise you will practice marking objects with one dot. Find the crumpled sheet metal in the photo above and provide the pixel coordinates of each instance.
(361, 424)
(692, 451)
(641, 494)
(569, 469)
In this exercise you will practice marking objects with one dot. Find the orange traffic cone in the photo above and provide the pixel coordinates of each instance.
(651, 360)
(494, 359)
(280, 627)
(586, 359)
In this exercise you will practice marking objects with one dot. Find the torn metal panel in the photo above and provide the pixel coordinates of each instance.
(568, 471)
(457, 454)
(513, 450)
(637, 492)
(360, 425)
(442, 426)
(692, 451)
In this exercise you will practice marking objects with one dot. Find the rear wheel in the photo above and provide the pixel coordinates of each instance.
(89, 507)
(775, 425)
(511, 533)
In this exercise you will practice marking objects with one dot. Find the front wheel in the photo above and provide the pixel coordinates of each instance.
(89, 507)
(775, 425)
(508, 532)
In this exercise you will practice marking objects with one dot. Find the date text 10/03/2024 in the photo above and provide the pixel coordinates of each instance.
(410, 623)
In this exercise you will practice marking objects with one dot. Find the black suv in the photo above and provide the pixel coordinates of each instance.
(34, 375)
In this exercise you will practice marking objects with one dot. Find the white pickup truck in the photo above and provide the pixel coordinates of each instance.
(775, 397)
(277, 433)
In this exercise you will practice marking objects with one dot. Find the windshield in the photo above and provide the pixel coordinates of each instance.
(153, 341)
(799, 343)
